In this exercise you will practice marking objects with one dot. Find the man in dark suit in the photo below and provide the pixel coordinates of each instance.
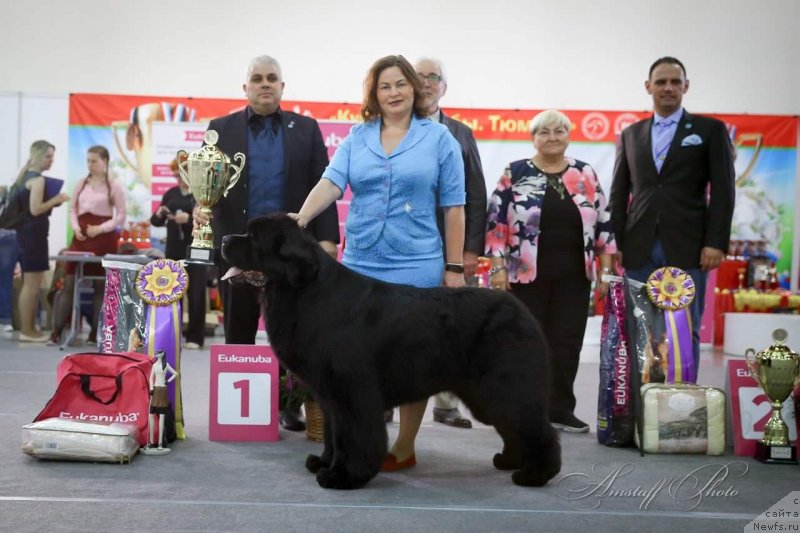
(434, 86)
(285, 157)
(677, 171)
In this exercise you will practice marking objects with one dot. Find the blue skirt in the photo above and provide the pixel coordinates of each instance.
(33, 248)
(383, 262)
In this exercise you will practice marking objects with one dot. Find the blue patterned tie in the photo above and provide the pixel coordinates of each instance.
(663, 140)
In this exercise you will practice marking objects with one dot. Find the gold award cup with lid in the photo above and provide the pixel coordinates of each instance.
(776, 370)
(209, 174)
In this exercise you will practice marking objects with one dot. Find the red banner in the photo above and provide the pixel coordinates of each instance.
(496, 124)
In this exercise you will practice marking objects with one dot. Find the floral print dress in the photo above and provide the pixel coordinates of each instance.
(514, 214)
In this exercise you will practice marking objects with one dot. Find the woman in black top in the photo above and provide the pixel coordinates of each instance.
(547, 221)
(32, 235)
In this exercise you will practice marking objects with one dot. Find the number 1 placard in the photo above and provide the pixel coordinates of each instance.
(243, 393)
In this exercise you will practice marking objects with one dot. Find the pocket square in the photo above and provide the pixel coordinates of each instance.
(692, 140)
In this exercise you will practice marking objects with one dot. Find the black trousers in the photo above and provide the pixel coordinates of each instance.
(562, 307)
(198, 278)
(241, 309)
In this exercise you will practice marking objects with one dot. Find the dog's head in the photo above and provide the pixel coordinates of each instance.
(274, 250)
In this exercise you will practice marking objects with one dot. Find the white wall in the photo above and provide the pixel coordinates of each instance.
(24, 118)
(741, 56)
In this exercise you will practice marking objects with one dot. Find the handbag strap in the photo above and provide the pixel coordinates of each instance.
(86, 388)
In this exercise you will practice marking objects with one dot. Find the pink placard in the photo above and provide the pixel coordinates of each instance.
(243, 398)
(750, 409)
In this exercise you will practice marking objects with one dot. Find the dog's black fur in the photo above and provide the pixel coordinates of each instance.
(363, 346)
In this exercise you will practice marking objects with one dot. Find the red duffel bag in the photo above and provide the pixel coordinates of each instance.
(103, 387)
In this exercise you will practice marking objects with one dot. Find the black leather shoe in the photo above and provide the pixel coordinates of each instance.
(569, 423)
(291, 420)
(451, 417)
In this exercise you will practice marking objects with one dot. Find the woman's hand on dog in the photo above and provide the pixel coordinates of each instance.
(301, 221)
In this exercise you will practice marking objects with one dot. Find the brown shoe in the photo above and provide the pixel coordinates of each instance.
(451, 417)
(54, 340)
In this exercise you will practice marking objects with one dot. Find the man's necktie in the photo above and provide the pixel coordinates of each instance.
(259, 122)
(663, 140)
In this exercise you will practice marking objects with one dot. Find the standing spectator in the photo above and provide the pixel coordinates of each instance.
(400, 166)
(285, 159)
(9, 255)
(673, 191)
(32, 235)
(547, 220)
(96, 212)
(175, 211)
(434, 86)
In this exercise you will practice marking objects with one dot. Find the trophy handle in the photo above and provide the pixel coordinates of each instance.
(115, 126)
(749, 356)
(797, 372)
(237, 171)
(759, 140)
(182, 157)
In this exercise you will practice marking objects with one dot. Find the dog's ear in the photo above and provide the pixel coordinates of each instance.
(301, 261)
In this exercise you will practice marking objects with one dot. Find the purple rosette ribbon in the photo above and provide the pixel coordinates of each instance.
(161, 284)
(672, 290)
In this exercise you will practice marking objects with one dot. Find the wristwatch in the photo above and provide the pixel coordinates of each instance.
(454, 267)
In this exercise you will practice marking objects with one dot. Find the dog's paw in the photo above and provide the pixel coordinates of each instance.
(530, 478)
(315, 462)
(504, 462)
(333, 478)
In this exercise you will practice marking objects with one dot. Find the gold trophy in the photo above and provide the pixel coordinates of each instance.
(776, 370)
(209, 174)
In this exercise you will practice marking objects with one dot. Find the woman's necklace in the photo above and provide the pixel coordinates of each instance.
(554, 178)
(96, 182)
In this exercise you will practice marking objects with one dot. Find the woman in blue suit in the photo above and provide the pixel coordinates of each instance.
(399, 165)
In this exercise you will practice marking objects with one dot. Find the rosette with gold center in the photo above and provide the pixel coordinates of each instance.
(162, 282)
(670, 288)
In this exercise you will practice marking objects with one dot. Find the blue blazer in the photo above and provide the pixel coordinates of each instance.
(396, 195)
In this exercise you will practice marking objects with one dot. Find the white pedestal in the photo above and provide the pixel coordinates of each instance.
(754, 330)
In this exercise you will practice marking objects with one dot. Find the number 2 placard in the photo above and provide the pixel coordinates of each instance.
(243, 393)
(750, 409)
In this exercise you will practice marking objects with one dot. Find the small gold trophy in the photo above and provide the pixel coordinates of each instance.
(209, 174)
(776, 370)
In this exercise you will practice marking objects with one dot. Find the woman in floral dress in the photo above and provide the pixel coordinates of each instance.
(547, 220)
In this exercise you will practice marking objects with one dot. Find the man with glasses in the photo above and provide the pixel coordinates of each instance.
(434, 85)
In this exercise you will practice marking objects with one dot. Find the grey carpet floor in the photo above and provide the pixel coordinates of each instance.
(215, 486)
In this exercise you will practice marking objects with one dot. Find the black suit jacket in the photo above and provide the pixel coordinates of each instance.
(475, 185)
(304, 159)
(673, 206)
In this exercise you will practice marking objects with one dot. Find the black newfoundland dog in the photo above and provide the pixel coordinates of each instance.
(363, 346)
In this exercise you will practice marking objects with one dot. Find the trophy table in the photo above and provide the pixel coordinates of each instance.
(209, 174)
